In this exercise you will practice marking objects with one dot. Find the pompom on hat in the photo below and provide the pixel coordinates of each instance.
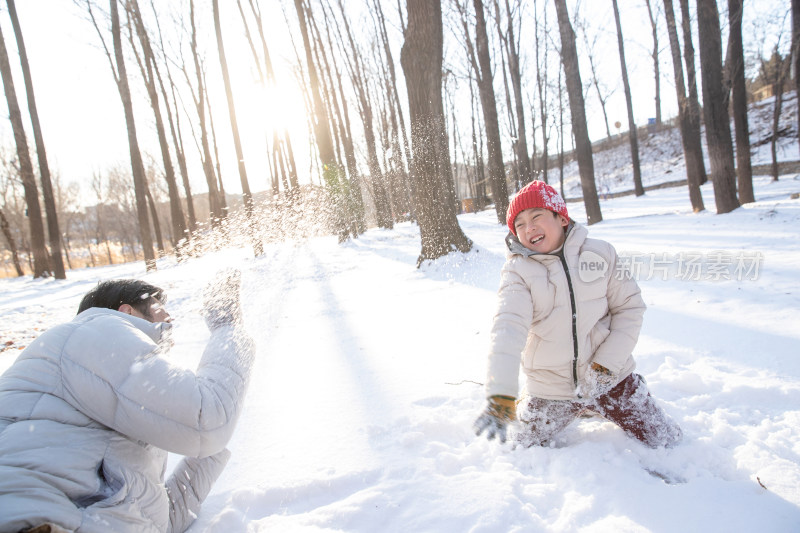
(533, 195)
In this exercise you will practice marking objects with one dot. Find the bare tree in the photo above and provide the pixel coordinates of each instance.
(796, 54)
(540, 42)
(12, 245)
(718, 131)
(632, 135)
(421, 58)
(583, 146)
(148, 69)
(215, 197)
(351, 210)
(512, 46)
(560, 85)
(497, 175)
(395, 105)
(477, 148)
(100, 222)
(774, 72)
(734, 66)
(355, 211)
(654, 55)
(331, 169)
(359, 82)
(602, 96)
(282, 151)
(512, 124)
(40, 260)
(117, 64)
(247, 196)
(692, 152)
(691, 83)
(175, 126)
(56, 262)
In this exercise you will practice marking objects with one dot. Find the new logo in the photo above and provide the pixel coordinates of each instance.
(591, 266)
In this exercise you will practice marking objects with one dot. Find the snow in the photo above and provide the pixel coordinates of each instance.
(360, 407)
(368, 379)
(661, 153)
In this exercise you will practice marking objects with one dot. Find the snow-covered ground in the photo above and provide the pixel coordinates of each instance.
(661, 153)
(360, 408)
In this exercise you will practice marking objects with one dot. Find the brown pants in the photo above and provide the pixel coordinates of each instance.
(629, 405)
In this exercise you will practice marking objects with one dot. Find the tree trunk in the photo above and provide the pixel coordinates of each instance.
(780, 78)
(691, 82)
(796, 54)
(421, 59)
(277, 167)
(282, 147)
(39, 250)
(177, 140)
(67, 250)
(477, 152)
(137, 167)
(595, 79)
(512, 124)
(583, 146)
(332, 171)
(718, 130)
(735, 67)
(512, 48)
(396, 107)
(149, 66)
(541, 82)
(656, 67)
(692, 153)
(151, 204)
(175, 132)
(497, 174)
(216, 211)
(12, 246)
(382, 210)
(56, 261)
(247, 197)
(561, 134)
(352, 205)
(632, 133)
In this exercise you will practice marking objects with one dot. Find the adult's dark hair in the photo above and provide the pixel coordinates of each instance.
(113, 293)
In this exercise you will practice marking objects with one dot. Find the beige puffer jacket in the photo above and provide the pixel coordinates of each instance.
(534, 320)
(88, 413)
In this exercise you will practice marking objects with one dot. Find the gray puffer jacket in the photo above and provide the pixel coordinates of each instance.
(88, 413)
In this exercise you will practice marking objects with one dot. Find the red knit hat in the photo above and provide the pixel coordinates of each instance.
(535, 194)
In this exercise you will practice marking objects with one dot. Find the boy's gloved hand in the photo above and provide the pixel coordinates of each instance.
(221, 305)
(598, 380)
(500, 411)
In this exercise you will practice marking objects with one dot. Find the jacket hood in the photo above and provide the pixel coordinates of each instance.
(157, 331)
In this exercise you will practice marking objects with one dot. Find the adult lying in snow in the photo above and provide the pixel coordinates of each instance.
(571, 315)
(90, 409)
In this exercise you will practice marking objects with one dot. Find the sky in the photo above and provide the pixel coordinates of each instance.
(369, 370)
(82, 116)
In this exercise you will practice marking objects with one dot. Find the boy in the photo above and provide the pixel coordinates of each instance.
(574, 319)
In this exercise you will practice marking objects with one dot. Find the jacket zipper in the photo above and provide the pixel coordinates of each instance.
(574, 320)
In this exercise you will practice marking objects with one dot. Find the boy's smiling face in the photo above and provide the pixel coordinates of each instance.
(540, 230)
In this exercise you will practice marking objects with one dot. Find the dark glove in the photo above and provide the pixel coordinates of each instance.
(500, 411)
(598, 381)
(221, 305)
